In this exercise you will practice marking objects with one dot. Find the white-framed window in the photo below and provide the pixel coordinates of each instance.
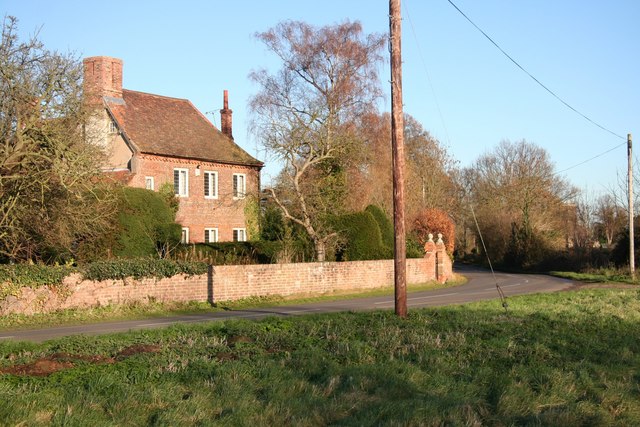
(113, 128)
(184, 238)
(239, 185)
(210, 235)
(149, 183)
(239, 234)
(210, 185)
(181, 182)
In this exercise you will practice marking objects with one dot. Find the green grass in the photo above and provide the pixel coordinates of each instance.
(597, 276)
(156, 309)
(569, 359)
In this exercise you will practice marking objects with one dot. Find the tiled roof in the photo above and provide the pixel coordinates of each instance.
(173, 127)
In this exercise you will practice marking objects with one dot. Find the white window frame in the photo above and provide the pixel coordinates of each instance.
(149, 183)
(113, 127)
(183, 177)
(237, 232)
(184, 237)
(207, 179)
(239, 193)
(207, 235)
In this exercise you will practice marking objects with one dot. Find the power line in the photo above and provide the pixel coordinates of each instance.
(426, 71)
(592, 158)
(440, 110)
(531, 75)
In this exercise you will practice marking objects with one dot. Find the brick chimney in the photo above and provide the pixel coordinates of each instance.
(226, 124)
(102, 77)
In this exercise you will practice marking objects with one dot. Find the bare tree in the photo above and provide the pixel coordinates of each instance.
(611, 218)
(304, 114)
(430, 171)
(581, 228)
(48, 198)
(515, 190)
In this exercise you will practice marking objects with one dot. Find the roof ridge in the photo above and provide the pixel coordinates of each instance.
(156, 95)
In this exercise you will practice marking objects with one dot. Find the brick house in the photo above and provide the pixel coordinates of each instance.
(152, 140)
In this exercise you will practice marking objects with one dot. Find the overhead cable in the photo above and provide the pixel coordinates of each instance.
(531, 75)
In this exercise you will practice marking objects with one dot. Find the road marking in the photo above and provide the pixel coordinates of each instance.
(308, 310)
(146, 325)
(504, 286)
(418, 298)
(433, 296)
(7, 337)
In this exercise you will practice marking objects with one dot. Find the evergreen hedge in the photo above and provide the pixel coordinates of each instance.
(363, 239)
(33, 275)
(232, 253)
(27, 275)
(385, 224)
(141, 268)
(147, 223)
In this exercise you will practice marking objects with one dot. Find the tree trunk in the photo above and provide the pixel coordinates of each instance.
(321, 250)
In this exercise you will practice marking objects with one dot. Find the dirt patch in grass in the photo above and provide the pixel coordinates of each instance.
(60, 361)
(137, 349)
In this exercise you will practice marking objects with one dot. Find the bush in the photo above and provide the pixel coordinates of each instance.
(33, 275)
(141, 268)
(415, 249)
(231, 253)
(434, 221)
(526, 249)
(362, 238)
(386, 226)
(147, 224)
(620, 252)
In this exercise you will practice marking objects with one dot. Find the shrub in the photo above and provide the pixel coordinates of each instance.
(386, 226)
(230, 253)
(147, 224)
(434, 221)
(415, 249)
(15, 276)
(141, 268)
(620, 252)
(362, 238)
(33, 275)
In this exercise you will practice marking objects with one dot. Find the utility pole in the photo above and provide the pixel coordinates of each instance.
(397, 148)
(632, 260)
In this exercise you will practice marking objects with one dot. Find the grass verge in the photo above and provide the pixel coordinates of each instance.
(156, 309)
(555, 359)
(600, 276)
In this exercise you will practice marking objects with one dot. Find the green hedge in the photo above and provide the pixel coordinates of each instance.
(230, 253)
(33, 275)
(141, 268)
(385, 224)
(146, 224)
(362, 238)
(28, 275)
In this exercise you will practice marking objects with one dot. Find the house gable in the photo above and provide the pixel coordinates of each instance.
(154, 141)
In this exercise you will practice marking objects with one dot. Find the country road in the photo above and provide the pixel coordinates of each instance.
(480, 286)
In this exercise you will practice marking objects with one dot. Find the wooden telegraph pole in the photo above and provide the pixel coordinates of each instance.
(632, 261)
(397, 148)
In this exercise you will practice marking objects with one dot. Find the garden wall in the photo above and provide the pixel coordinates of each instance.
(231, 282)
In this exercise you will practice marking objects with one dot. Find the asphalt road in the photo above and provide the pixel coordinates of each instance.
(481, 286)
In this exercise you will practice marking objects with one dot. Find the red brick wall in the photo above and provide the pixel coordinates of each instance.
(232, 282)
(225, 283)
(196, 212)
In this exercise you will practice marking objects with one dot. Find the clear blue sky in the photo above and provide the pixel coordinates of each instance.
(586, 51)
